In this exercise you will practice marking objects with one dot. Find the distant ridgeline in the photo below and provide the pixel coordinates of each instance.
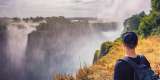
(144, 25)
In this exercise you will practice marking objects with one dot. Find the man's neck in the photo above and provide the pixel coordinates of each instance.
(131, 53)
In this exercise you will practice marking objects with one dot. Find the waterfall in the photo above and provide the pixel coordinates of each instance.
(17, 34)
(38, 50)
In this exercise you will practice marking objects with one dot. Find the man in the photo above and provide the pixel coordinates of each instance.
(123, 70)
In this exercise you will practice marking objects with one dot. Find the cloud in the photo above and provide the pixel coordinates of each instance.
(110, 9)
(121, 9)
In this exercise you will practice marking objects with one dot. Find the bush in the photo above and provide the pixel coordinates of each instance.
(96, 56)
(156, 5)
(105, 47)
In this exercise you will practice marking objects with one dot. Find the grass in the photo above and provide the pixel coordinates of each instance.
(103, 69)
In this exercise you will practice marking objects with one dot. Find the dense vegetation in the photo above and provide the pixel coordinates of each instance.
(145, 25)
(105, 48)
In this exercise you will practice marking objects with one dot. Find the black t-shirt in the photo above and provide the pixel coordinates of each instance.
(123, 71)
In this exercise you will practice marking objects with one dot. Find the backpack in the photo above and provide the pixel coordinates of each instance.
(142, 72)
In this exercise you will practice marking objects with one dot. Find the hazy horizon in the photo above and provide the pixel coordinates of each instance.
(114, 10)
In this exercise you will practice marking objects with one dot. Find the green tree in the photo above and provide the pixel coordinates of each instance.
(145, 25)
(155, 5)
(148, 24)
(132, 23)
(105, 47)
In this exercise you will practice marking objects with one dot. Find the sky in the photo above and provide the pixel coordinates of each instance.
(113, 10)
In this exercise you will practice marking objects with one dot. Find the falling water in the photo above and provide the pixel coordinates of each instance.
(60, 47)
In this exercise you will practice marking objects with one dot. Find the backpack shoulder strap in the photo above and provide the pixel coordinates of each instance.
(143, 58)
(130, 62)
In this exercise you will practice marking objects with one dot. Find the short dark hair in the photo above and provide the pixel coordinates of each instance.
(130, 39)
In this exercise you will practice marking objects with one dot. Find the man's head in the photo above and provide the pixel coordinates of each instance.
(130, 40)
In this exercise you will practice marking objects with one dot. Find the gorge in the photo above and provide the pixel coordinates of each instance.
(37, 48)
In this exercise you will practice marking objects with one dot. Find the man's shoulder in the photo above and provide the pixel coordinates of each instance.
(121, 63)
(122, 66)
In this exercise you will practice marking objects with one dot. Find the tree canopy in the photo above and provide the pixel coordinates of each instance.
(145, 25)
